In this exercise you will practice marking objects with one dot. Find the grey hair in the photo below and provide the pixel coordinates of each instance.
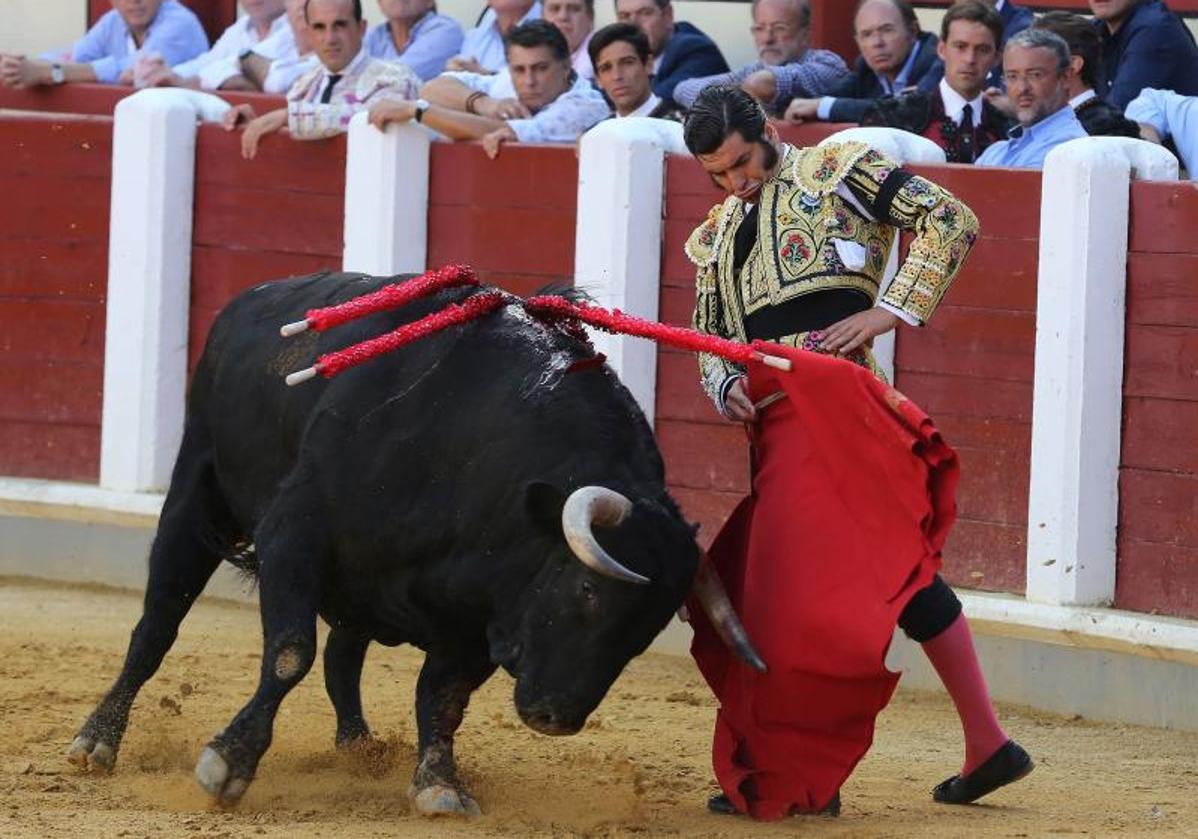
(802, 10)
(1036, 38)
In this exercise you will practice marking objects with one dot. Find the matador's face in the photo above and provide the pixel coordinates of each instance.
(740, 167)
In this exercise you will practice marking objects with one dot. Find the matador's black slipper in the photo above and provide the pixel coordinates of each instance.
(1007, 765)
(722, 805)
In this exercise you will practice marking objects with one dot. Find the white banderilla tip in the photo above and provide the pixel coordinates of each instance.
(775, 361)
(294, 328)
(300, 376)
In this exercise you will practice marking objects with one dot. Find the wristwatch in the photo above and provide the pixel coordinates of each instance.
(57, 74)
(422, 105)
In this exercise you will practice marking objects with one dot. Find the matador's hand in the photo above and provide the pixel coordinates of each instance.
(847, 335)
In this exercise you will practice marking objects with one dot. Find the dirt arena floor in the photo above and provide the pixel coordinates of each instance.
(639, 768)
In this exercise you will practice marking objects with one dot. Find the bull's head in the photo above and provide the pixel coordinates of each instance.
(622, 570)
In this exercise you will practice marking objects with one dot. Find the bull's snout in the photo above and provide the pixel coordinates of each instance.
(552, 721)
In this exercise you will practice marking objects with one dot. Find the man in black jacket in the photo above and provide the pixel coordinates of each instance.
(1143, 45)
(895, 56)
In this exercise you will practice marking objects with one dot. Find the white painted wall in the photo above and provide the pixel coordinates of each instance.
(34, 26)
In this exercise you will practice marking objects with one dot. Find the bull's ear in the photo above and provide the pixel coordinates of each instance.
(543, 504)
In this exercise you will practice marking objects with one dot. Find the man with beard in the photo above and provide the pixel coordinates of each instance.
(1036, 67)
(840, 539)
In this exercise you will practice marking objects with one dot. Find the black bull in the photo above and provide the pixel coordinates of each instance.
(440, 496)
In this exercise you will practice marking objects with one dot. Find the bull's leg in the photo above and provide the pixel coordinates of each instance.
(442, 693)
(344, 654)
(291, 566)
(182, 559)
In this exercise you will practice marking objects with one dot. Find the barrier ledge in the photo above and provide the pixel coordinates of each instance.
(86, 503)
(1084, 627)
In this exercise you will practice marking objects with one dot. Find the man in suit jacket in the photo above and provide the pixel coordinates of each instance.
(680, 50)
(955, 116)
(895, 56)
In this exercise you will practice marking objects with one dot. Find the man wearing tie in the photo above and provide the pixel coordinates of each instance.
(956, 116)
(322, 101)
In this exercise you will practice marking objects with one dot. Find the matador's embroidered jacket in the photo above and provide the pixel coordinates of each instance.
(826, 220)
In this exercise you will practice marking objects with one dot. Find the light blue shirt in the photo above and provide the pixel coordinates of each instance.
(1029, 146)
(484, 43)
(175, 33)
(434, 40)
(1172, 115)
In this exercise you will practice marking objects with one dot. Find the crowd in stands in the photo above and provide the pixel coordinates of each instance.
(997, 86)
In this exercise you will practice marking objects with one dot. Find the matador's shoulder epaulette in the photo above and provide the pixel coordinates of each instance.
(818, 170)
(703, 246)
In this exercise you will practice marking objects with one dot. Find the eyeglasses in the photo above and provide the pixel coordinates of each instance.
(775, 30)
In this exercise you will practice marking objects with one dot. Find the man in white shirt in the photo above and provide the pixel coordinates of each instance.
(323, 101)
(538, 99)
(220, 67)
(484, 49)
(1165, 116)
(624, 72)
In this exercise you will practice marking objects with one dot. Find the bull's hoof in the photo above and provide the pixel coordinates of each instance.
(91, 754)
(212, 773)
(443, 800)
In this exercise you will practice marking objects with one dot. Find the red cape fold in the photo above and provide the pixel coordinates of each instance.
(853, 497)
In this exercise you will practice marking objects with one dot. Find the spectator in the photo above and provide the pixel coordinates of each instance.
(576, 20)
(895, 55)
(220, 67)
(1099, 117)
(1014, 19)
(274, 65)
(1143, 45)
(347, 80)
(485, 47)
(680, 50)
(956, 117)
(787, 66)
(552, 103)
(1167, 116)
(415, 34)
(107, 51)
(1036, 64)
(624, 72)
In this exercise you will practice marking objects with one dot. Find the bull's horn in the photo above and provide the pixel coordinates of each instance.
(709, 591)
(596, 506)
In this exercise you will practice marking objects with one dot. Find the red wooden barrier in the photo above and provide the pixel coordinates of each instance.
(101, 99)
(512, 218)
(53, 261)
(971, 368)
(278, 215)
(1158, 486)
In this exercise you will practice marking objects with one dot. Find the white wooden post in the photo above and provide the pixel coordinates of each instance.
(149, 281)
(617, 245)
(386, 199)
(1077, 397)
(902, 147)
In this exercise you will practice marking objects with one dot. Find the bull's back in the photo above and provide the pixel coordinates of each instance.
(256, 423)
